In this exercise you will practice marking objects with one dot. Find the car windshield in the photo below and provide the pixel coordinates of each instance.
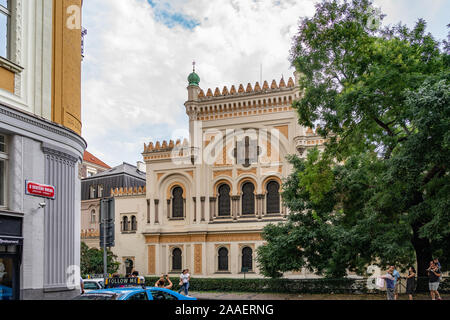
(90, 285)
(98, 296)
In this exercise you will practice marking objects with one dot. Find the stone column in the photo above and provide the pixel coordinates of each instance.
(148, 211)
(202, 199)
(259, 205)
(156, 211)
(195, 208)
(168, 209)
(212, 207)
(235, 206)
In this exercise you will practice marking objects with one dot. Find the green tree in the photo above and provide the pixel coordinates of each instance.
(91, 260)
(379, 192)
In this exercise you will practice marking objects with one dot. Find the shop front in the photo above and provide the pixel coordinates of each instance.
(11, 243)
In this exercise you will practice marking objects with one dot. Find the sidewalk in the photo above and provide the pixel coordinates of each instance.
(276, 296)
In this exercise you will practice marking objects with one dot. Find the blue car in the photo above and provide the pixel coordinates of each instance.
(134, 293)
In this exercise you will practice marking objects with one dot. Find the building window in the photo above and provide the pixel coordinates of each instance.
(125, 224)
(133, 223)
(246, 152)
(224, 200)
(176, 259)
(248, 198)
(100, 191)
(91, 192)
(273, 197)
(223, 259)
(177, 203)
(3, 167)
(93, 217)
(5, 28)
(247, 258)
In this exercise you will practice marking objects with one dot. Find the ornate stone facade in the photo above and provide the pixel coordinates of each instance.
(211, 195)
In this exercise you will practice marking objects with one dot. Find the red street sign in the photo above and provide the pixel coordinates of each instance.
(40, 190)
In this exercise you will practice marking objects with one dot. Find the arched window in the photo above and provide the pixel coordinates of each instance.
(177, 203)
(93, 217)
(248, 198)
(133, 223)
(176, 259)
(224, 200)
(125, 224)
(247, 258)
(273, 197)
(223, 259)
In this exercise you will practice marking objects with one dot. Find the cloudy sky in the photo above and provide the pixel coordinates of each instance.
(138, 54)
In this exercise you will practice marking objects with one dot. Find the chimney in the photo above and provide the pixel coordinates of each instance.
(141, 166)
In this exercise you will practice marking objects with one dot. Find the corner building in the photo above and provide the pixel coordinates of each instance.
(208, 198)
(40, 141)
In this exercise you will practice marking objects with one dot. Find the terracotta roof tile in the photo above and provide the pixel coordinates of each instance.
(89, 157)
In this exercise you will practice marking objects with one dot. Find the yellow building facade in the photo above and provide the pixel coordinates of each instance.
(40, 141)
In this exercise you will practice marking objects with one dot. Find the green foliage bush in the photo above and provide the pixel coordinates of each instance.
(300, 286)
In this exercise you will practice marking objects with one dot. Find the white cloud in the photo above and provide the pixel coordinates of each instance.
(136, 67)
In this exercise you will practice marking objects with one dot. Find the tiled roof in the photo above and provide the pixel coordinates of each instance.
(89, 157)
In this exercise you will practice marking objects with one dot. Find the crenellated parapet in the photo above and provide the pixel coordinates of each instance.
(131, 191)
(241, 101)
(163, 151)
(249, 90)
(89, 233)
(309, 140)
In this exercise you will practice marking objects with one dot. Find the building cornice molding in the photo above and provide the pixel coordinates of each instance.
(32, 126)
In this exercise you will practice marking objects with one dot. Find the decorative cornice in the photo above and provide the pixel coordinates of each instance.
(59, 154)
(9, 65)
(42, 124)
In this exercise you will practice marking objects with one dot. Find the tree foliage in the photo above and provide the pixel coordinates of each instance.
(91, 260)
(380, 190)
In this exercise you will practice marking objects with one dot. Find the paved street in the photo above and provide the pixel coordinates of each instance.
(274, 296)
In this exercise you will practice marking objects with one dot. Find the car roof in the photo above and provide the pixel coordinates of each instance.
(118, 290)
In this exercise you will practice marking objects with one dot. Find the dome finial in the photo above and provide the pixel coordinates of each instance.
(193, 79)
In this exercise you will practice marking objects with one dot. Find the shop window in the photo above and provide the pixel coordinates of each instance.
(273, 197)
(224, 200)
(248, 198)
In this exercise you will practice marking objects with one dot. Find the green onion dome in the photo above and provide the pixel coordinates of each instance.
(194, 79)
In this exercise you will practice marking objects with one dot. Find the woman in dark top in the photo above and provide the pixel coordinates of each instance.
(411, 282)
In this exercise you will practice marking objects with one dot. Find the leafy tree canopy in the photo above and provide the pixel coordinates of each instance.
(379, 191)
(91, 260)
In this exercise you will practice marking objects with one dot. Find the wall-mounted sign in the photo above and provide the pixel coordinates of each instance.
(39, 190)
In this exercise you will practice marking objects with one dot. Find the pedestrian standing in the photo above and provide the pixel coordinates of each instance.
(161, 283)
(411, 282)
(397, 280)
(185, 277)
(390, 283)
(434, 275)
